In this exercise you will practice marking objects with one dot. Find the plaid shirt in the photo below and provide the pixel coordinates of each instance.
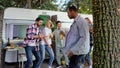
(31, 31)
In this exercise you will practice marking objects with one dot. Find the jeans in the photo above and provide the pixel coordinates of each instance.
(87, 57)
(30, 51)
(49, 51)
(76, 61)
(59, 56)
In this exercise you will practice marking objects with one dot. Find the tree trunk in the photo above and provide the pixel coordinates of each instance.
(29, 4)
(1, 53)
(119, 7)
(106, 53)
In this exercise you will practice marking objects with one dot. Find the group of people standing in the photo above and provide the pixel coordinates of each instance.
(37, 42)
(73, 45)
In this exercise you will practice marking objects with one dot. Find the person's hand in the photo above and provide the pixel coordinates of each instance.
(35, 37)
(91, 42)
(51, 35)
(41, 35)
(49, 46)
(62, 33)
(61, 36)
(70, 53)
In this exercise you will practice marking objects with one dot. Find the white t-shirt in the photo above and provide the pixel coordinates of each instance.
(46, 32)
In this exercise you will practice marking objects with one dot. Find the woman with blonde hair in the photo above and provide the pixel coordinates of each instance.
(87, 56)
(46, 42)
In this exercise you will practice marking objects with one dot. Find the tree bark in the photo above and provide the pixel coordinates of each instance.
(29, 4)
(1, 53)
(106, 52)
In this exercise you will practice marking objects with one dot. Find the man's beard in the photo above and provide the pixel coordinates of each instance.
(71, 17)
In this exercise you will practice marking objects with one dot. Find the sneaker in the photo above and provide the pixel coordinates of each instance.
(59, 67)
(49, 66)
(67, 66)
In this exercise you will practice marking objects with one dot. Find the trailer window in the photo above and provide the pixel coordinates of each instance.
(19, 31)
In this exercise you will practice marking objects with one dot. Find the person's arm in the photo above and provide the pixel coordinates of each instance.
(30, 33)
(36, 36)
(41, 36)
(45, 38)
(82, 34)
(46, 41)
(51, 35)
(54, 32)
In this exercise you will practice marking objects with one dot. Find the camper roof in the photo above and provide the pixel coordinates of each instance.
(31, 14)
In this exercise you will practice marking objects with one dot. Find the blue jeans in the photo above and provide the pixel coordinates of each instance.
(76, 61)
(49, 51)
(30, 51)
(87, 57)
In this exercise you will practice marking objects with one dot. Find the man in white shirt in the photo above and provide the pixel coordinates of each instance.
(59, 34)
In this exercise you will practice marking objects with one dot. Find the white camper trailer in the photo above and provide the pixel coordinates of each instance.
(16, 20)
